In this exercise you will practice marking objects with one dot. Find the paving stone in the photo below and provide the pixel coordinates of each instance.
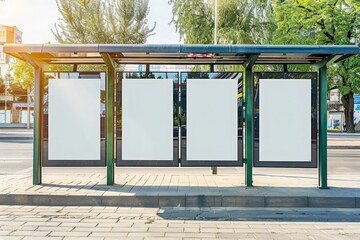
(83, 238)
(95, 229)
(42, 238)
(69, 234)
(109, 234)
(29, 233)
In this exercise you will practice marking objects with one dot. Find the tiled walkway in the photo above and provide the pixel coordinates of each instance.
(100, 223)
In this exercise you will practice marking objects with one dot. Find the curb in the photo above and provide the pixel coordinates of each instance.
(159, 201)
(343, 147)
(15, 138)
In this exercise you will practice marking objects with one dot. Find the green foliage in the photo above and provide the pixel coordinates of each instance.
(322, 22)
(239, 21)
(103, 21)
(23, 74)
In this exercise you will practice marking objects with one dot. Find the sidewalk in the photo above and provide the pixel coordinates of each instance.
(16, 134)
(181, 187)
(335, 140)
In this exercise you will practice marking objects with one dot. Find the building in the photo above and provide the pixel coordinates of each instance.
(8, 34)
(12, 102)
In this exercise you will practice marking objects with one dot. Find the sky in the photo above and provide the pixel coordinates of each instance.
(36, 18)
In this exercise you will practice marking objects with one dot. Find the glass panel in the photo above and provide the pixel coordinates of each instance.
(151, 110)
(288, 103)
(101, 100)
(211, 119)
(74, 119)
(285, 120)
(213, 137)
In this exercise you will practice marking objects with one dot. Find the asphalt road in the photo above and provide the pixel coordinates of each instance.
(16, 158)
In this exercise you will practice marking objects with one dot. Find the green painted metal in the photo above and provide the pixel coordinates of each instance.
(249, 63)
(38, 123)
(323, 128)
(249, 125)
(327, 61)
(109, 101)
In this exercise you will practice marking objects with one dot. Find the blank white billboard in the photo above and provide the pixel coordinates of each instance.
(147, 119)
(285, 120)
(74, 119)
(211, 119)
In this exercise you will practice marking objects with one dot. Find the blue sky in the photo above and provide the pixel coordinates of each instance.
(35, 18)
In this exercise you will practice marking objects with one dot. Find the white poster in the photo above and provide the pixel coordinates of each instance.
(211, 119)
(285, 120)
(74, 119)
(147, 119)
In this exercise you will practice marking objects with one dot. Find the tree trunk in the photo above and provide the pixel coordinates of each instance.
(348, 102)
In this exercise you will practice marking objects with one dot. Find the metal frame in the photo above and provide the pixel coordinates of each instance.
(70, 163)
(249, 119)
(179, 53)
(40, 55)
(150, 163)
(38, 118)
(314, 120)
(207, 163)
(109, 104)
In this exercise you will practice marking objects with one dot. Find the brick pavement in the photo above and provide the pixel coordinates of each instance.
(34, 222)
(182, 187)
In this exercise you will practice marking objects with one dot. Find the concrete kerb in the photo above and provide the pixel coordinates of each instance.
(192, 200)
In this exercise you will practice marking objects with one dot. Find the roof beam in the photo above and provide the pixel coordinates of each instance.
(249, 63)
(327, 61)
(35, 62)
(109, 61)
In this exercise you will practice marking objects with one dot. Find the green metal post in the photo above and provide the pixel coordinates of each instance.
(249, 144)
(110, 81)
(323, 128)
(38, 124)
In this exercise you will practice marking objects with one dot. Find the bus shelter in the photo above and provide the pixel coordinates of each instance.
(180, 118)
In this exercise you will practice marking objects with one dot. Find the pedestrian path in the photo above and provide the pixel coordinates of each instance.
(105, 223)
(142, 187)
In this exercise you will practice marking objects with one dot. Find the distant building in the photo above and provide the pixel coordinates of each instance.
(13, 104)
(8, 34)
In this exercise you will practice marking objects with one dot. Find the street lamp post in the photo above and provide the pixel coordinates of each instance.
(28, 108)
(6, 81)
(214, 169)
(215, 20)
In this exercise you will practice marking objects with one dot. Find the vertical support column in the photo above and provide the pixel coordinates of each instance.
(38, 125)
(323, 127)
(249, 126)
(109, 102)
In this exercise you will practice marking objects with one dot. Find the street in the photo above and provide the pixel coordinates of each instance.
(19, 222)
(16, 155)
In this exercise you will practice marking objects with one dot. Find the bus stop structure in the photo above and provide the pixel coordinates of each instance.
(40, 56)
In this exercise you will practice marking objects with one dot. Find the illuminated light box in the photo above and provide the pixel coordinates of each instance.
(147, 119)
(285, 120)
(212, 120)
(74, 119)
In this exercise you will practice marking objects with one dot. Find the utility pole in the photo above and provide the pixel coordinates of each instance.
(6, 93)
(214, 169)
(28, 108)
(215, 20)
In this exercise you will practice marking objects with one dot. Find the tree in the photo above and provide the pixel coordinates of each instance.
(23, 74)
(239, 21)
(333, 22)
(103, 21)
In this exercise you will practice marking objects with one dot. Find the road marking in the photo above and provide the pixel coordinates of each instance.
(11, 161)
(6, 159)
